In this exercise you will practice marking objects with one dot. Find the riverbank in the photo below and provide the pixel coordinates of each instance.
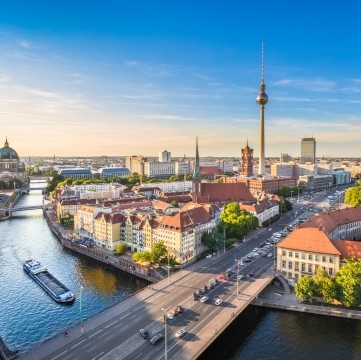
(123, 263)
(275, 297)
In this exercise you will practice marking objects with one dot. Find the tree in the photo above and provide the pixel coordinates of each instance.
(212, 239)
(353, 196)
(175, 203)
(325, 287)
(159, 250)
(237, 222)
(348, 282)
(305, 288)
(121, 249)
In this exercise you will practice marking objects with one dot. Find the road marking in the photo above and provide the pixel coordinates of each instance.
(97, 357)
(138, 356)
(78, 343)
(111, 324)
(96, 333)
(60, 354)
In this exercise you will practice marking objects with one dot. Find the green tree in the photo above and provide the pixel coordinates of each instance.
(213, 239)
(121, 249)
(159, 250)
(353, 196)
(325, 287)
(237, 222)
(175, 203)
(305, 288)
(348, 282)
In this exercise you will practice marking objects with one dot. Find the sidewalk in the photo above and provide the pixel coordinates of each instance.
(275, 297)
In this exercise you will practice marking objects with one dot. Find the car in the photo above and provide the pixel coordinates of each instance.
(251, 275)
(195, 296)
(269, 255)
(180, 309)
(204, 299)
(180, 333)
(144, 333)
(240, 277)
(170, 316)
(223, 277)
(156, 338)
(255, 249)
(218, 302)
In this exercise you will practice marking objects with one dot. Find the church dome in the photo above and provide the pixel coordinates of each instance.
(8, 153)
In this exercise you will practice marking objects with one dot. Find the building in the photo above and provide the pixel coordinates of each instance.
(283, 170)
(315, 183)
(264, 210)
(165, 156)
(110, 172)
(246, 168)
(76, 173)
(304, 251)
(159, 169)
(11, 167)
(308, 150)
(325, 240)
(135, 164)
(262, 100)
(285, 158)
(305, 169)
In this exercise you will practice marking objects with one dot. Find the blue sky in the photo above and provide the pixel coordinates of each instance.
(137, 77)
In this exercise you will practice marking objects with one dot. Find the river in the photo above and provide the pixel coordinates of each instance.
(29, 316)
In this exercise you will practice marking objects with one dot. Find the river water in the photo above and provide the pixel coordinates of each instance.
(29, 316)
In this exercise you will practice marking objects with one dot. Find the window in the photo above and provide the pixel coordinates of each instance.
(284, 253)
(290, 264)
(323, 258)
(331, 260)
(296, 276)
(289, 274)
(309, 257)
(296, 266)
(303, 267)
(283, 263)
(303, 256)
(330, 271)
(296, 255)
(317, 257)
(310, 268)
(290, 254)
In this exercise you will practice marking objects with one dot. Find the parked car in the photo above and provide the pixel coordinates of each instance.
(240, 277)
(218, 302)
(156, 338)
(204, 299)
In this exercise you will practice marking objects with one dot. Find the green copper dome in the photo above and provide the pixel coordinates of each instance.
(7, 152)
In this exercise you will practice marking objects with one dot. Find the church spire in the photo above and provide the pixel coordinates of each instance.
(197, 172)
(6, 142)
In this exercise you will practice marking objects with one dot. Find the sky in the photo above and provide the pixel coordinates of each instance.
(132, 77)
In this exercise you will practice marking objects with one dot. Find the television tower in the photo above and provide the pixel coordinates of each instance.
(262, 100)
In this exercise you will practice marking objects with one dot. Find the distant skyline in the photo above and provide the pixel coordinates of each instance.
(138, 77)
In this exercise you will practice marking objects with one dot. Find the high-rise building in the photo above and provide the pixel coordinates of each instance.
(247, 161)
(284, 158)
(308, 150)
(262, 100)
(165, 156)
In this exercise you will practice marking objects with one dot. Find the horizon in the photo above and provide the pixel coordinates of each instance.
(140, 77)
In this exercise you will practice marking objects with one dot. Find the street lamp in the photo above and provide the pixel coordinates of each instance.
(298, 195)
(168, 267)
(80, 309)
(291, 195)
(165, 318)
(237, 275)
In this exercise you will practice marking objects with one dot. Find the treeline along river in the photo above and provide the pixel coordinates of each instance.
(28, 316)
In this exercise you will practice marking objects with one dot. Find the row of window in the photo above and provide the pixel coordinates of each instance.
(304, 267)
(310, 257)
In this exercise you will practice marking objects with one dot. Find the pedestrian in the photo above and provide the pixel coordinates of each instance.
(65, 333)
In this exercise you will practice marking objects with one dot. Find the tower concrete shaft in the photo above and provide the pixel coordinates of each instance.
(262, 100)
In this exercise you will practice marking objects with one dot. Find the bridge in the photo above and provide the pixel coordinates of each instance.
(114, 334)
(8, 211)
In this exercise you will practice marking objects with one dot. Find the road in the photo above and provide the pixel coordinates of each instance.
(118, 337)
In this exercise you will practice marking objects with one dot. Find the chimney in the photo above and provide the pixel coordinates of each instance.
(320, 228)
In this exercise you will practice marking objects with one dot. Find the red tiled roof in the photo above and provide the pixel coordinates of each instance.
(348, 248)
(331, 220)
(310, 240)
(225, 192)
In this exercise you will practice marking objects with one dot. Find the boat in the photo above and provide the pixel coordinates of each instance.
(58, 291)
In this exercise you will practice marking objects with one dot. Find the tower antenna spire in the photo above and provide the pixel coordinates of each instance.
(262, 65)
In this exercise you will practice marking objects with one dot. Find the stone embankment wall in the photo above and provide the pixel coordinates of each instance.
(103, 255)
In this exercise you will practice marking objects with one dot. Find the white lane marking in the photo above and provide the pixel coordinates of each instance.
(90, 336)
(78, 343)
(111, 324)
(60, 354)
(138, 356)
(97, 357)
